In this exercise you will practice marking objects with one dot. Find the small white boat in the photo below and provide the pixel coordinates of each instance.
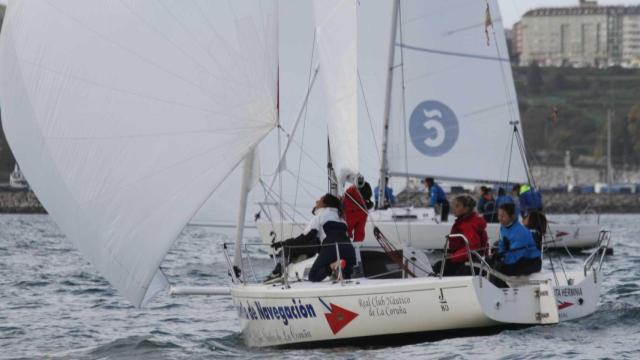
(17, 180)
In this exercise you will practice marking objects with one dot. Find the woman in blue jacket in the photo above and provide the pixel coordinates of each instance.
(517, 249)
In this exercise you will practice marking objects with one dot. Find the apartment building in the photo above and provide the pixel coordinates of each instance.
(584, 35)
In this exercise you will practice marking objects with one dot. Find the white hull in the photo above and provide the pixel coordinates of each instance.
(425, 233)
(308, 313)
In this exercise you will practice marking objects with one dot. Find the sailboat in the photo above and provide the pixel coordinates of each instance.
(127, 116)
(17, 180)
(438, 123)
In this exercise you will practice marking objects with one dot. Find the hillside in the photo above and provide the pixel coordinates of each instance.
(581, 97)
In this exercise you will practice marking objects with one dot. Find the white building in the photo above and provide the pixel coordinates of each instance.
(585, 35)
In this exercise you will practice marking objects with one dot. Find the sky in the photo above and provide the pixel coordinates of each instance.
(512, 10)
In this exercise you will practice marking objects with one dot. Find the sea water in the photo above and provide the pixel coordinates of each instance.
(54, 304)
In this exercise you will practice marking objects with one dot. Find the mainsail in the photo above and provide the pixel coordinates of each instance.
(337, 33)
(126, 116)
(454, 102)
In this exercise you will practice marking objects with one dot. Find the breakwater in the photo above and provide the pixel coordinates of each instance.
(20, 202)
(557, 203)
(25, 202)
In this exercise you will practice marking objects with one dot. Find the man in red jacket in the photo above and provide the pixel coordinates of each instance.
(356, 202)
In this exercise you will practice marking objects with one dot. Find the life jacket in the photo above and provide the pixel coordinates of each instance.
(517, 242)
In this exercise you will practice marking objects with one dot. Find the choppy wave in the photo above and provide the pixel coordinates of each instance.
(54, 305)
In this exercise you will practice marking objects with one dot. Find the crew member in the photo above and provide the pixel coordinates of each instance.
(437, 198)
(517, 250)
(389, 198)
(356, 203)
(487, 205)
(530, 199)
(473, 227)
(330, 228)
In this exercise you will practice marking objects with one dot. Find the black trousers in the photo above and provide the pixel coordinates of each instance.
(444, 211)
(452, 269)
(321, 267)
(520, 268)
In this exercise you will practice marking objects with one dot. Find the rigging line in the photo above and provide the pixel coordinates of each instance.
(267, 208)
(279, 176)
(309, 157)
(512, 115)
(523, 154)
(507, 92)
(283, 154)
(304, 182)
(366, 106)
(304, 124)
(285, 214)
(510, 156)
(452, 53)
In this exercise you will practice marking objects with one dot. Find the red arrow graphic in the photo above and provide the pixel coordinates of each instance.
(338, 317)
(564, 305)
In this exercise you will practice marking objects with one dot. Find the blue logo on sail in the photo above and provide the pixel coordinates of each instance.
(433, 128)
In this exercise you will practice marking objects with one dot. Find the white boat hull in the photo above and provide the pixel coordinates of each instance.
(426, 234)
(312, 313)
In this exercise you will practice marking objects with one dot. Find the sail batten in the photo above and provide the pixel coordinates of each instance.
(126, 116)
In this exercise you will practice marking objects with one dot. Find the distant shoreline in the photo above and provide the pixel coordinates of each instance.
(559, 203)
(25, 202)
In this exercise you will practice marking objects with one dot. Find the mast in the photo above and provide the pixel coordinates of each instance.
(245, 187)
(331, 173)
(609, 164)
(387, 105)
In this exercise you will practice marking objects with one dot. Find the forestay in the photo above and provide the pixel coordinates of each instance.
(452, 121)
(125, 116)
(337, 32)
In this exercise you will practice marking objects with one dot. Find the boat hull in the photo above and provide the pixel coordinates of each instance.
(382, 310)
(310, 313)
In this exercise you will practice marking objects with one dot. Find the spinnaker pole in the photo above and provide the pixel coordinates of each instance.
(245, 187)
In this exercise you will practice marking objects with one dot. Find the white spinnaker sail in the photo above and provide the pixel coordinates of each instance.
(304, 178)
(125, 116)
(459, 95)
(337, 35)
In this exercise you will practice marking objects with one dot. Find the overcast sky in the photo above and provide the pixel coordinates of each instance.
(512, 10)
